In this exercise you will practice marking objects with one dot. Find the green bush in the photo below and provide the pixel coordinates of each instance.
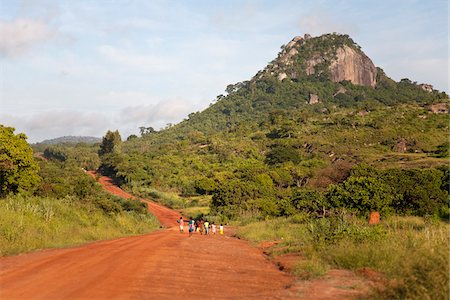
(18, 170)
(311, 201)
(362, 195)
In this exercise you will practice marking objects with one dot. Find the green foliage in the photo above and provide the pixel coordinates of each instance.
(361, 194)
(420, 191)
(111, 143)
(410, 253)
(60, 180)
(281, 154)
(311, 201)
(204, 185)
(443, 150)
(56, 153)
(31, 223)
(338, 227)
(18, 170)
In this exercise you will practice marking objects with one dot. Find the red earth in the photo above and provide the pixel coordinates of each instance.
(165, 264)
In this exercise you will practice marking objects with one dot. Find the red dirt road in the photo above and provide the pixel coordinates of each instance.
(161, 265)
(166, 216)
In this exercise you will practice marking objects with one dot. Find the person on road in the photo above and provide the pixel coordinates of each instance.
(201, 227)
(206, 227)
(181, 224)
(221, 229)
(213, 228)
(191, 227)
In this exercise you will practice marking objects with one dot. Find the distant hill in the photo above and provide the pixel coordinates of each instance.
(71, 140)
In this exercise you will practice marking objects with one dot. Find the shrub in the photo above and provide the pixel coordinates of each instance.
(18, 170)
(420, 191)
(282, 153)
(361, 194)
(311, 201)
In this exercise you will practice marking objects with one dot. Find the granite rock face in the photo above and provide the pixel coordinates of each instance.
(353, 66)
(342, 58)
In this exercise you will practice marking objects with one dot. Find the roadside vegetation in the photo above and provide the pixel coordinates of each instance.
(410, 254)
(58, 205)
(31, 223)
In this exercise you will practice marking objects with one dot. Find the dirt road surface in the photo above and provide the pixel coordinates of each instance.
(162, 265)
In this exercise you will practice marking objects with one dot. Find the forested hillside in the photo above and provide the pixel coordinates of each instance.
(273, 138)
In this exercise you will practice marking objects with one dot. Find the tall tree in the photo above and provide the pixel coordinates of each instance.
(18, 170)
(111, 143)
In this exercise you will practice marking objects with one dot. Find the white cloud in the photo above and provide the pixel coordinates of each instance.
(20, 35)
(58, 123)
(163, 111)
(127, 58)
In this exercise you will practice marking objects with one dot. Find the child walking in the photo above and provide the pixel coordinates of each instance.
(206, 227)
(213, 228)
(191, 227)
(221, 229)
(181, 224)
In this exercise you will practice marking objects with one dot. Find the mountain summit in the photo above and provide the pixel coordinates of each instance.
(334, 56)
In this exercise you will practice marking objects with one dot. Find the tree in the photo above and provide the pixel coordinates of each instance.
(282, 153)
(111, 143)
(310, 200)
(361, 194)
(131, 137)
(18, 170)
(146, 130)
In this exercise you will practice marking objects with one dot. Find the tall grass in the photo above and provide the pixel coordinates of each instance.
(30, 223)
(411, 253)
(191, 205)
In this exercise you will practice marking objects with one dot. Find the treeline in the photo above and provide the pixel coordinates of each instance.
(420, 192)
(60, 174)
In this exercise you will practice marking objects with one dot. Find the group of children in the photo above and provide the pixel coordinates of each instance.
(199, 226)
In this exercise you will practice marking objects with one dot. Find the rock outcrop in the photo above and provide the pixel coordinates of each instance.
(313, 99)
(335, 56)
(353, 66)
(426, 87)
(439, 108)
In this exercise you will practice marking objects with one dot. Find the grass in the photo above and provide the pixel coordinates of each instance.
(171, 199)
(195, 211)
(411, 253)
(31, 223)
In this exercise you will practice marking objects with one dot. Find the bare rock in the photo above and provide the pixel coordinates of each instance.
(313, 99)
(439, 108)
(297, 38)
(341, 90)
(353, 66)
(311, 63)
(281, 76)
(401, 146)
(362, 113)
(426, 87)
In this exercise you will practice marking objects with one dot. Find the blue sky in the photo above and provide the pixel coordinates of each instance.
(83, 67)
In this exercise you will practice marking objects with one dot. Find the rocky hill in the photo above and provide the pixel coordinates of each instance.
(334, 56)
(320, 108)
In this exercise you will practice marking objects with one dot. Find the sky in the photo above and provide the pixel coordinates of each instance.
(84, 67)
